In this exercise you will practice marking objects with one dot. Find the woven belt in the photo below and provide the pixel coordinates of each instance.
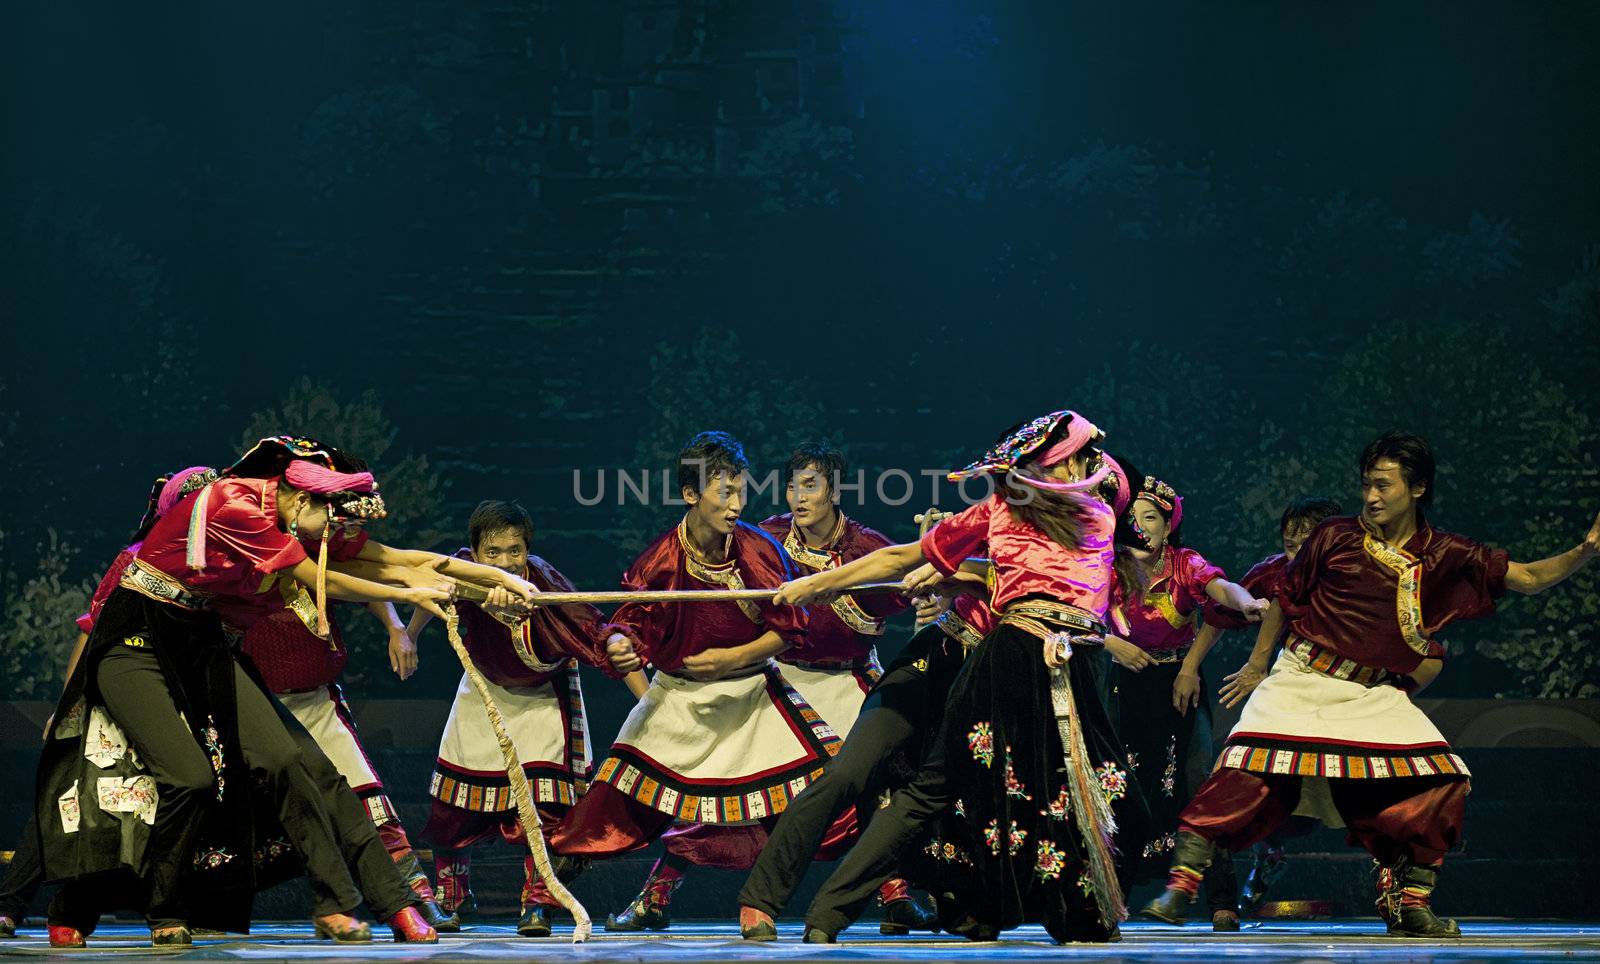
(867, 664)
(958, 629)
(1162, 657)
(148, 581)
(1328, 663)
(1044, 619)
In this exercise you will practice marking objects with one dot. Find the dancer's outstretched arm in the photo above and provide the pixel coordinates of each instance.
(890, 562)
(473, 572)
(1529, 578)
(1236, 597)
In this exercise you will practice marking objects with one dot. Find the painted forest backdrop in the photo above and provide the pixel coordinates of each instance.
(487, 245)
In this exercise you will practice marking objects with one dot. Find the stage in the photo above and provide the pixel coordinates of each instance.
(1484, 940)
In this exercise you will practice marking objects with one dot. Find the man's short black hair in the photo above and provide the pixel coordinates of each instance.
(494, 515)
(1307, 512)
(1411, 452)
(828, 460)
(707, 454)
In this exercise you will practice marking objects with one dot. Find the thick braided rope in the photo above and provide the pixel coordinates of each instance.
(521, 792)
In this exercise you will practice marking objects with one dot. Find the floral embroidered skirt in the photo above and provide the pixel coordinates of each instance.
(1170, 755)
(1042, 796)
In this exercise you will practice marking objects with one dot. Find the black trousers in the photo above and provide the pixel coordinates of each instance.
(25, 876)
(376, 875)
(135, 692)
(876, 856)
(898, 709)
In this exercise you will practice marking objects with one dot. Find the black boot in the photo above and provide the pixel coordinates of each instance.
(648, 912)
(535, 921)
(901, 912)
(1267, 867)
(1190, 858)
(906, 915)
(1405, 893)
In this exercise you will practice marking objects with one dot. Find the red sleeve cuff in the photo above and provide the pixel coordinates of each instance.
(937, 558)
(86, 623)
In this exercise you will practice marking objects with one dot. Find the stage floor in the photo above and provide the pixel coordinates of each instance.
(1155, 944)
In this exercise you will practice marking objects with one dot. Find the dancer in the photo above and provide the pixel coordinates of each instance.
(530, 662)
(1269, 858)
(26, 874)
(879, 753)
(159, 701)
(1034, 806)
(719, 738)
(1169, 747)
(1332, 725)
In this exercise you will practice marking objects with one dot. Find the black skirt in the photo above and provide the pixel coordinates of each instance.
(107, 850)
(1170, 755)
(1041, 793)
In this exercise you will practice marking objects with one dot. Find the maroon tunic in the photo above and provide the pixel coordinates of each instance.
(538, 649)
(845, 631)
(1262, 582)
(1341, 595)
(665, 634)
(1162, 620)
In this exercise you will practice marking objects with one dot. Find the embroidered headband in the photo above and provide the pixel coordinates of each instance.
(1165, 497)
(1014, 448)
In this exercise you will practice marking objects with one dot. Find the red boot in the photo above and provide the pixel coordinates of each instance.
(66, 936)
(410, 928)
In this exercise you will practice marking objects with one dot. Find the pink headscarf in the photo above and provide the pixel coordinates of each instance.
(1124, 487)
(1080, 432)
(319, 480)
(175, 487)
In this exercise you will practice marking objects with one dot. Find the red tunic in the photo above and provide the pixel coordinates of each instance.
(665, 634)
(975, 613)
(1162, 620)
(1026, 561)
(243, 542)
(108, 583)
(279, 626)
(846, 630)
(1340, 593)
(1262, 582)
(280, 591)
(539, 648)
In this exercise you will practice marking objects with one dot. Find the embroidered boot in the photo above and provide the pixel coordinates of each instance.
(453, 870)
(1267, 867)
(411, 869)
(649, 910)
(1190, 858)
(536, 903)
(1405, 895)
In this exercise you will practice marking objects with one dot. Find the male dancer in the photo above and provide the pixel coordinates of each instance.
(1333, 721)
(527, 658)
(1299, 518)
(719, 738)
